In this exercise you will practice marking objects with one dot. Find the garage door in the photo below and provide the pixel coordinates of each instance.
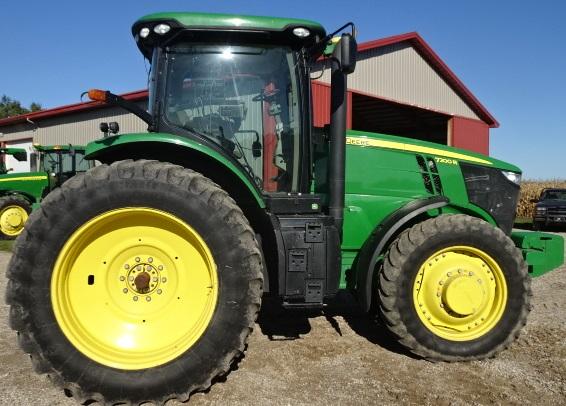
(11, 162)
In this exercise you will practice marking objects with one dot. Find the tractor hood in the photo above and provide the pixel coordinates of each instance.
(365, 139)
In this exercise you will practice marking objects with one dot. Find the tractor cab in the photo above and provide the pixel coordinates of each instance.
(239, 86)
(61, 162)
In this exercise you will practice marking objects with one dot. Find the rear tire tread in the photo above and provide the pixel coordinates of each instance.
(19, 276)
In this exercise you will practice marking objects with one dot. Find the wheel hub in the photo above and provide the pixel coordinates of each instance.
(143, 275)
(463, 295)
(14, 219)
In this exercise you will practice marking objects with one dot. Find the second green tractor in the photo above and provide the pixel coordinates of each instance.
(22, 192)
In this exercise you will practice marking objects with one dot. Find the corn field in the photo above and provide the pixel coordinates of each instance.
(530, 189)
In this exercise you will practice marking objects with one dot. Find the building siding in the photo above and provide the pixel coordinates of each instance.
(399, 73)
(77, 128)
(472, 135)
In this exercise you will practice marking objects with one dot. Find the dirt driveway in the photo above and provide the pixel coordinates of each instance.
(321, 359)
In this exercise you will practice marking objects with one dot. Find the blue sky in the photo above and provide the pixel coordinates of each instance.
(510, 54)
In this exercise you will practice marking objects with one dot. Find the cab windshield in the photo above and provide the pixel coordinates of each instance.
(243, 98)
(50, 161)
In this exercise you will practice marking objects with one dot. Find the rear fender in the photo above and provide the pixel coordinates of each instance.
(173, 149)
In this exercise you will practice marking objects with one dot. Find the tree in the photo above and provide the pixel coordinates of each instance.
(10, 107)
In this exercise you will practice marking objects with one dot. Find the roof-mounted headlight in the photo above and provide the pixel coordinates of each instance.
(161, 29)
(512, 176)
(301, 32)
(144, 32)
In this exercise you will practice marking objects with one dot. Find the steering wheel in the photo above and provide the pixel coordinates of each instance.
(266, 95)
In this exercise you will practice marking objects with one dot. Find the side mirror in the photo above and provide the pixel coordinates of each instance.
(346, 53)
(21, 156)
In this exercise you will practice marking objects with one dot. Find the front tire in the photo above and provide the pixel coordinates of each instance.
(135, 282)
(454, 288)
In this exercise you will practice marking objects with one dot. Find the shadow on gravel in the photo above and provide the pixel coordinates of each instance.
(281, 324)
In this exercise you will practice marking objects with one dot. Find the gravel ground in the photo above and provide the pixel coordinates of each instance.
(326, 358)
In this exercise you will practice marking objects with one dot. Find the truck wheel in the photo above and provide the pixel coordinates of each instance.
(454, 288)
(14, 212)
(538, 225)
(135, 282)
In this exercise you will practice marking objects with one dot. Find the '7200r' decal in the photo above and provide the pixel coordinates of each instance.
(372, 142)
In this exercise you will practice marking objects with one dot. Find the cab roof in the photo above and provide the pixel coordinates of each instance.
(48, 148)
(218, 22)
(12, 151)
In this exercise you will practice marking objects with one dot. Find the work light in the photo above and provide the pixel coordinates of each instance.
(301, 32)
(161, 29)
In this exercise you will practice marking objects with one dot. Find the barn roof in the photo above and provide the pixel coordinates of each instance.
(412, 37)
(438, 64)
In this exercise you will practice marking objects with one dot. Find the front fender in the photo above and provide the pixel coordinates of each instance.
(104, 147)
(379, 239)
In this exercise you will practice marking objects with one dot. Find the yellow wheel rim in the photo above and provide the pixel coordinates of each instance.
(460, 293)
(134, 288)
(12, 220)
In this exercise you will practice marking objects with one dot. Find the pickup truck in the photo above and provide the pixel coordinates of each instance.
(550, 209)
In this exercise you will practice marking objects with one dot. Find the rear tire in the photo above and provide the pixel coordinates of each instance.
(454, 288)
(14, 212)
(148, 199)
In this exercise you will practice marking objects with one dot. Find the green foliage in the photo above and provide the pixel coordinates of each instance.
(6, 245)
(10, 107)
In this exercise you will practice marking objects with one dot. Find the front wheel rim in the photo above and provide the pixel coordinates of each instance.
(12, 220)
(134, 288)
(460, 293)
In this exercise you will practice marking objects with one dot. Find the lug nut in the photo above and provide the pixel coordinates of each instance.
(159, 291)
(148, 267)
(155, 279)
(160, 267)
(449, 274)
(459, 271)
(137, 259)
(148, 298)
(441, 283)
(150, 260)
(471, 274)
(125, 290)
(135, 298)
(126, 266)
(163, 279)
(122, 278)
(131, 278)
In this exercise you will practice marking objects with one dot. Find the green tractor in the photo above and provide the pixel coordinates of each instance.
(141, 279)
(21, 192)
